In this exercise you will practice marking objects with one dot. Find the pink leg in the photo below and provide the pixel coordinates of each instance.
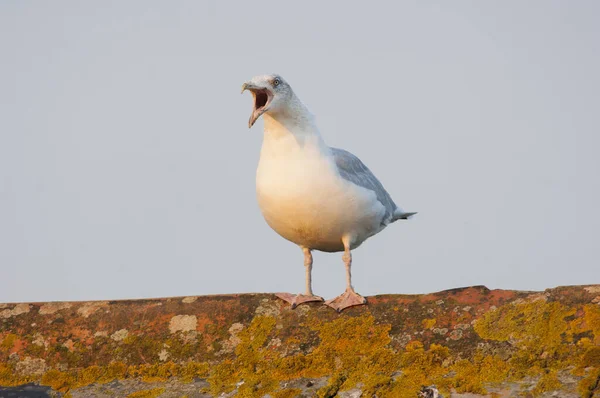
(349, 298)
(297, 299)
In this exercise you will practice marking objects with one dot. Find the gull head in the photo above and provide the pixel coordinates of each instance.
(270, 94)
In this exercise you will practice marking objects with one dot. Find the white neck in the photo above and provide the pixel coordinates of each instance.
(292, 123)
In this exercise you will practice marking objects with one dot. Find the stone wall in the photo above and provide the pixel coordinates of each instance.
(466, 342)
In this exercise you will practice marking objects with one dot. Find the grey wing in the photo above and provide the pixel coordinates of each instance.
(352, 169)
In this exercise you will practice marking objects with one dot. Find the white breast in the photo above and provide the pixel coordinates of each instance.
(303, 198)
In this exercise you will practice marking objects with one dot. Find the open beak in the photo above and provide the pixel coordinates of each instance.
(262, 98)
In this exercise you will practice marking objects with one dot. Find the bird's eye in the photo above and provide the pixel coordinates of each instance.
(276, 82)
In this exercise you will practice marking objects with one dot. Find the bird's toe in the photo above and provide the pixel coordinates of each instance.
(347, 299)
(296, 299)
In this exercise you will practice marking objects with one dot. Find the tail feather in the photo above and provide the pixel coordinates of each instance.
(400, 215)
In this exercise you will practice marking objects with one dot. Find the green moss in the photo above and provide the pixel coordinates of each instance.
(153, 393)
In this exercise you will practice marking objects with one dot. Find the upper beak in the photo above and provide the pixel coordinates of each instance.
(248, 86)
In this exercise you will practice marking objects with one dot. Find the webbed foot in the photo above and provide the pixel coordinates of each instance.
(347, 299)
(297, 299)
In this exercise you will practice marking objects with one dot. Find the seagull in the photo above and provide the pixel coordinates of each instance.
(318, 197)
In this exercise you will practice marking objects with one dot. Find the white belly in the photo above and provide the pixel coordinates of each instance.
(303, 198)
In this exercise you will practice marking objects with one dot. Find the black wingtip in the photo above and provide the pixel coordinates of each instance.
(405, 216)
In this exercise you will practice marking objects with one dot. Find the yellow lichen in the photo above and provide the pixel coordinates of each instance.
(591, 357)
(356, 346)
(421, 367)
(332, 388)
(153, 393)
(428, 323)
(536, 339)
(548, 382)
(287, 393)
(89, 375)
(8, 342)
(189, 371)
(592, 320)
(590, 384)
(114, 371)
(253, 363)
(472, 376)
(153, 373)
(354, 349)
(76, 378)
(538, 330)
(57, 380)
(9, 378)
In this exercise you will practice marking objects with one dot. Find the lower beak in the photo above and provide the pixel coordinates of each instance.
(255, 112)
(254, 116)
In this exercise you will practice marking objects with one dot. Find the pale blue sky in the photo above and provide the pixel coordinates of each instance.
(127, 168)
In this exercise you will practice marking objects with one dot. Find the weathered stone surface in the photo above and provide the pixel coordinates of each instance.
(466, 342)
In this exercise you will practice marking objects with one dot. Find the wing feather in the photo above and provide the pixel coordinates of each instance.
(352, 169)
